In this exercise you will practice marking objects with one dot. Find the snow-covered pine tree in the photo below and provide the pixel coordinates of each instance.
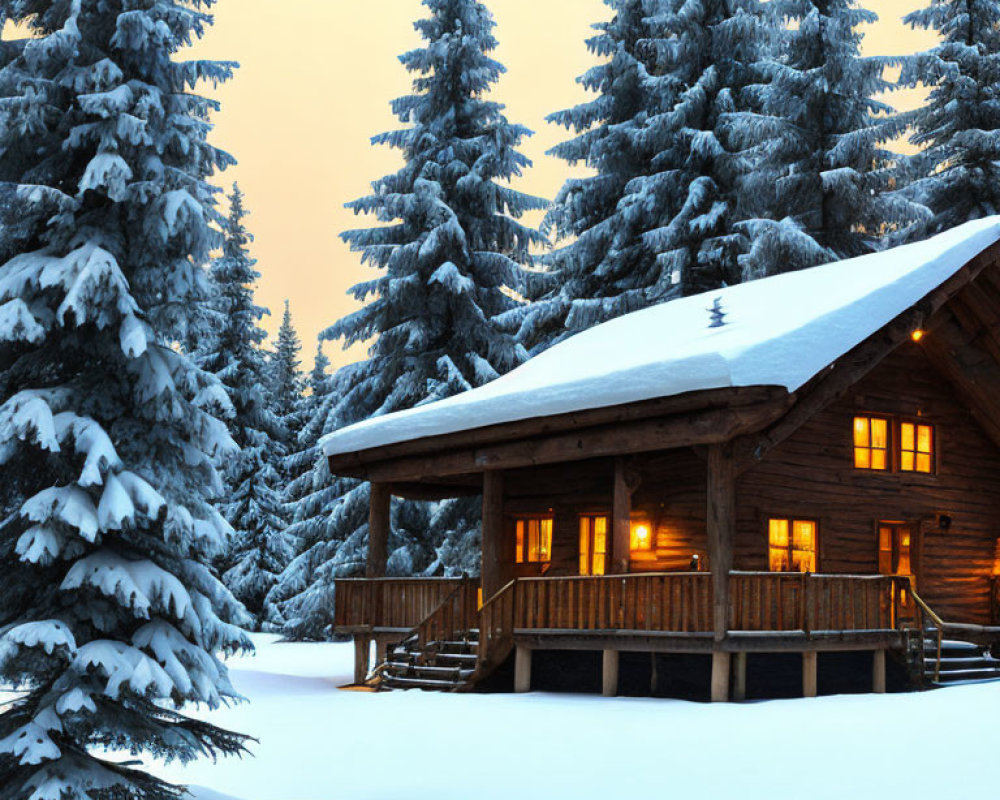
(449, 248)
(958, 169)
(286, 385)
(666, 212)
(590, 279)
(260, 548)
(824, 184)
(111, 618)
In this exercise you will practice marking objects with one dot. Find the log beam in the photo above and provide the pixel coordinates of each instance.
(378, 530)
(721, 520)
(621, 513)
(498, 552)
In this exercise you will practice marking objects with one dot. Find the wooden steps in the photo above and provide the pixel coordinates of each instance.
(960, 662)
(446, 665)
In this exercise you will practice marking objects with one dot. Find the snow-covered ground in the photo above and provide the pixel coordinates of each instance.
(318, 743)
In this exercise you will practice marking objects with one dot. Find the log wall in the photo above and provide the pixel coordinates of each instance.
(811, 476)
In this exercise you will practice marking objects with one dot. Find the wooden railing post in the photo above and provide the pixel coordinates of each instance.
(378, 529)
(721, 518)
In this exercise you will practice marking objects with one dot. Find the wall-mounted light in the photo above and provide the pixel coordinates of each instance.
(917, 335)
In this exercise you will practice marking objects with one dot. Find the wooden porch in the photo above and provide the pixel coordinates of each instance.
(654, 612)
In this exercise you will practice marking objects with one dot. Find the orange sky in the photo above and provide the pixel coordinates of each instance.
(315, 84)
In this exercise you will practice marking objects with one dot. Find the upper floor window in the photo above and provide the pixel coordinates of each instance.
(916, 447)
(533, 540)
(871, 443)
(884, 444)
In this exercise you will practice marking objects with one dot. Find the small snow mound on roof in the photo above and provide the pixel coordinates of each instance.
(778, 331)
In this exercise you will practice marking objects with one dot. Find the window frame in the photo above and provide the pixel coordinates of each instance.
(894, 442)
(791, 519)
(917, 423)
(591, 533)
(890, 429)
(522, 544)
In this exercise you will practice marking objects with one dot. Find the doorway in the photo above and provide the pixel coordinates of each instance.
(896, 547)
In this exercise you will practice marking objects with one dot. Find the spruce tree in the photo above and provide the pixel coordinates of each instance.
(111, 618)
(666, 214)
(823, 187)
(599, 274)
(449, 249)
(260, 548)
(285, 383)
(958, 129)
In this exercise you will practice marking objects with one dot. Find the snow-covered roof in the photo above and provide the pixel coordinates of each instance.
(778, 331)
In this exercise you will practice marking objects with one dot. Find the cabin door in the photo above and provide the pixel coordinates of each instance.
(895, 556)
(593, 544)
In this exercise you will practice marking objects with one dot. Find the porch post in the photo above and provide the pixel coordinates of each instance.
(809, 683)
(362, 648)
(621, 512)
(522, 669)
(740, 676)
(378, 530)
(721, 519)
(498, 555)
(720, 676)
(609, 673)
(878, 672)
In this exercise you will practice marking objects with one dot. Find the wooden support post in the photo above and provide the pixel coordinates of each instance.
(498, 552)
(721, 519)
(740, 677)
(621, 513)
(878, 672)
(609, 673)
(378, 530)
(522, 669)
(720, 677)
(362, 648)
(654, 675)
(810, 660)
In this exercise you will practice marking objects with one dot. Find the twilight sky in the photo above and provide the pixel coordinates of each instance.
(315, 83)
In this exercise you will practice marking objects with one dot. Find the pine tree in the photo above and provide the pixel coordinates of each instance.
(823, 188)
(449, 249)
(666, 212)
(260, 547)
(285, 383)
(957, 172)
(111, 618)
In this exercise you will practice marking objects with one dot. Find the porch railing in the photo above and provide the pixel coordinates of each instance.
(394, 602)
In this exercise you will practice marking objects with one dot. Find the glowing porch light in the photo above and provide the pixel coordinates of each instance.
(917, 335)
(642, 536)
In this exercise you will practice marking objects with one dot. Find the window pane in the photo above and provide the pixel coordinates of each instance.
(778, 559)
(878, 459)
(880, 433)
(862, 458)
(885, 551)
(519, 546)
(803, 561)
(598, 563)
(906, 436)
(778, 532)
(546, 540)
(532, 540)
(600, 539)
(924, 438)
(861, 438)
(906, 461)
(804, 534)
(584, 545)
(923, 462)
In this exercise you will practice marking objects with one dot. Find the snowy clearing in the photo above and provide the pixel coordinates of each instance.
(318, 743)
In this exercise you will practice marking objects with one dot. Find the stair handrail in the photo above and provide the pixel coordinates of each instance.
(939, 625)
(424, 629)
(496, 627)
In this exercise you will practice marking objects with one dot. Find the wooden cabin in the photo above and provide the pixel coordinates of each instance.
(806, 464)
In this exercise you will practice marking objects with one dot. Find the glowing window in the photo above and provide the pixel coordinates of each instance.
(534, 540)
(792, 545)
(640, 536)
(916, 447)
(871, 443)
(593, 544)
